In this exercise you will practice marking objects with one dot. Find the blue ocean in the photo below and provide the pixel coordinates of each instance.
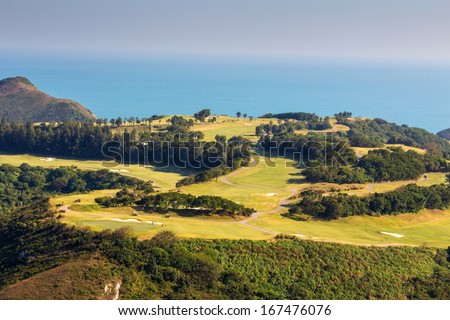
(417, 95)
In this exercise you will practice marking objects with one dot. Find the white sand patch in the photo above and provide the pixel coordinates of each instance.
(153, 222)
(392, 234)
(123, 170)
(270, 194)
(114, 170)
(299, 235)
(47, 159)
(127, 220)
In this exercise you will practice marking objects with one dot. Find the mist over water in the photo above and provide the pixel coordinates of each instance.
(405, 94)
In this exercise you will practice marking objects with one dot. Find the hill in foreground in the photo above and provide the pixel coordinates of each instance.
(40, 258)
(22, 101)
(444, 134)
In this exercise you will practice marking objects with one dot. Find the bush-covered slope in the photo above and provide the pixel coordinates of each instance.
(444, 134)
(32, 242)
(374, 133)
(84, 278)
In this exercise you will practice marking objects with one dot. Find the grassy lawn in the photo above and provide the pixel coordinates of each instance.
(229, 127)
(336, 128)
(380, 187)
(364, 151)
(429, 227)
(260, 187)
(106, 218)
(163, 177)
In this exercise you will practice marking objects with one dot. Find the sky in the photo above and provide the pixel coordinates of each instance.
(417, 30)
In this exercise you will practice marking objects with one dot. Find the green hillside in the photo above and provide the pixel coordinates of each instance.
(20, 100)
(444, 134)
(38, 254)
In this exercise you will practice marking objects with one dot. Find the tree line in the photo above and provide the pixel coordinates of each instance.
(24, 184)
(393, 164)
(178, 202)
(408, 199)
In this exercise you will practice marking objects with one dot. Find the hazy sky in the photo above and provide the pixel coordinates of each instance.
(380, 29)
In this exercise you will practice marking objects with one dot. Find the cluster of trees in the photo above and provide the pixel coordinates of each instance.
(373, 133)
(179, 202)
(33, 241)
(282, 127)
(176, 146)
(24, 184)
(321, 124)
(336, 174)
(206, 175)
(409, 199)
(343, 115)
(123, 198)
(394, 164)
(180, 121)
(202, 115)
(117, 122)
(201, 205)
(72, 139)
(302, 116)
(225, 156)
(290, 126)
(312, 150)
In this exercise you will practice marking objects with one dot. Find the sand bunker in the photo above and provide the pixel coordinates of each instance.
(392, 234)
(127, 220)
(299, 235)
(123, 170)
(47, 159)
(270, 194)
(135, 220)
(153, 222)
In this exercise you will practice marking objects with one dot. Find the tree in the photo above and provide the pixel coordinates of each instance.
(202, 115)
(245, 115)
(238, 114)
(119, 121)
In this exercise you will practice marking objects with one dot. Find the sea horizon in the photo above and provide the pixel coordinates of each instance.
(405, 93)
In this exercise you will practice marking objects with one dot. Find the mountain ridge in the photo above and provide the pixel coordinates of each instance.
(21, 100)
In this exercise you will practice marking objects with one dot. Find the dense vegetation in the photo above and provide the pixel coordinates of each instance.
(410, 199)
(205, 175)
(20, 100)
(24, 184)
(444, 134)
(313, 149)
(302, 116)
(175, 201)
(376, 132)
(32, 241)
(380, 165)
(174, 146)
(70, 139)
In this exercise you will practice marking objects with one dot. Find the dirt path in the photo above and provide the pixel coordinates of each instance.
(224, 179)
(255, 215)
